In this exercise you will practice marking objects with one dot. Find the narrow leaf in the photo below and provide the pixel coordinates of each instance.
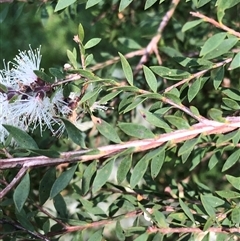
(102, 176)
(235, 181)
(123, 4)
(21, 192)
(62, 181)
(150, 78)
(22, 138)
(235, 62)
(92, 42)
(87, 176)
(80, 32)
(186, 210)
(126, 69)
(124, 168)
(63, 4)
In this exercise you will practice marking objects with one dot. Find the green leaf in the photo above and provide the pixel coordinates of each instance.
(22, 138)
(74, 133)
(142, 237)
(235, 62)
(228, 194)
(97, 236)
(173, 74)
(206, 204)
(21, 192)
(232, 93)
(46, 184)
(124, 168)
(119, 232)
(160, 218)
(126, 69)
(235, 181)
(136, 130)
(154, 120)
(150, 78)
(109, 96)
(57, 73)
(106, 130)
(188, 146)
(134, 104)
(72, 58)
(63, 4)
(157, 162)
(129, 43)
(62, 181)
(227, 137)
(191, 24)
(149, 3)
(102, 175)
(213, 160)
(223, 48)
(186, 210)
(90, 95)
(80, 32)
(212, 43)
(179, 122)
(231, 103)
(141, 167)
(92, 42)
(222, 5)
(60, 206)
(235, 216)
(194, 89)
(123, 4)
(218, 78)
(216, 114)
(43, 76)
(87, 176)
(91, 3)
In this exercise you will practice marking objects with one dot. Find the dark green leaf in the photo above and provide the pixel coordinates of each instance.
(60, 206)
(179, 122)
(119, 232)
(134, 104)
(188, 146)
(74, 133)
(232, 159)
(57, 73)
(228, 194)
(191, 24)
(186, 210)
(124, 168)
(207, 206)
(21, 192)
(218, 78)
(157, 162)
(231, 103)
(46, 185)
(43, 76)
(194, 89)
(62, 181)
(22, 138)
(109, 96)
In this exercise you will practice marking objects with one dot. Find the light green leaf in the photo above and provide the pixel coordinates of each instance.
(235, 181)
(126, 69)
(92, 42)
(223, 48)
(72, 58)
(97, 236)
(150, 78)
(89, 95)
(179, 122)
(136, 130)
(232, 93)
(228, 194)
(91, 3)
(134, 104)
(212, 43)
(22, 138)
(21, 192)
(109, 96)
(102, 176)
(191, 24)
(63, 4)
(157, 162)
(80, 32)
(149, 3)
(62, 181)
(123, 4)
(222, 5)
(235, 62)
(231, 103)
(206, 204)
(186, 210)
(188, 146)
(129, 43)
(119, 232)
(235, 216)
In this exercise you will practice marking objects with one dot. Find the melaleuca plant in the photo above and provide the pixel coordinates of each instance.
(134, 134)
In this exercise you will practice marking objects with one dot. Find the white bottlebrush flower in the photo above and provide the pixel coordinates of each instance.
(26, 63)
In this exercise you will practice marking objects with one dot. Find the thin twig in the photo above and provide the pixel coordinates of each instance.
(216, 24)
